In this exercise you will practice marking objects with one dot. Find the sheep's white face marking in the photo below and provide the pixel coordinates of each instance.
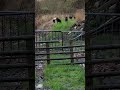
(54, 18)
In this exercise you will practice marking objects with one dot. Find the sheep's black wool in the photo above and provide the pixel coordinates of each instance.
(56, 20)
(53, 20)
(71, 17)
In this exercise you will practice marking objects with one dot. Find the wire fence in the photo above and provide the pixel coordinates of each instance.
(49, 43)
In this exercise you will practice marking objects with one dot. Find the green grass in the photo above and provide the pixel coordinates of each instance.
(63, 26)
(63, 77)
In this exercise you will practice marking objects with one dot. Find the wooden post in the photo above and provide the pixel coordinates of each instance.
(71, 52)
(48, 53)
(62, 41)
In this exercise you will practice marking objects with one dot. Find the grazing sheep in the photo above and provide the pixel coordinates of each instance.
(56, 20)
(71, 17)
(66, 18)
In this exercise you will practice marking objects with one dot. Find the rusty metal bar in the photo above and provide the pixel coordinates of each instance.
(110, 86)
(103, 47)
(22, 37)
(105, 74)
(18, 52)
(16, 79)
(99, 61)
(10, 66)
(12, 57)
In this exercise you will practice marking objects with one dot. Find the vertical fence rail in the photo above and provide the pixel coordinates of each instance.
(71, 51)
(48, 53)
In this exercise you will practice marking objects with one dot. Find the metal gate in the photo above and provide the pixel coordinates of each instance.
(65, 46)
(102, 51)
(17, 51)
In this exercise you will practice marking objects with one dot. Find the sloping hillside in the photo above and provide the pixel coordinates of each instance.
(58, 6)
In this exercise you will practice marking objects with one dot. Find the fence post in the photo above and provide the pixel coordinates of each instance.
(62, 40)
(48, 53)
(71, 52)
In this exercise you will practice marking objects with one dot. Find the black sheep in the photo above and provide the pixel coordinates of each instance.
(71, 17)
(56, 20)
(66, 18)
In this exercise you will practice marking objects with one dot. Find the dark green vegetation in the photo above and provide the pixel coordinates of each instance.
(63, 77)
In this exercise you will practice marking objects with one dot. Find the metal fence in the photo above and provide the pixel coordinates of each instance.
(58, 45)
(17, 51)
(102, 51)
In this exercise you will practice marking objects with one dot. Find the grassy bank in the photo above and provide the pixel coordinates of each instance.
(63, 26)
(64, 77)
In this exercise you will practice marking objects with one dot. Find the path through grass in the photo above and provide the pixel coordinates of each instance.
(64, 77)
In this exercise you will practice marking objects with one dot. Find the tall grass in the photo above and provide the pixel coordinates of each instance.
(64, 77)
(64, 25)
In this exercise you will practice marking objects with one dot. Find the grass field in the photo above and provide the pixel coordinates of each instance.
(63, 77)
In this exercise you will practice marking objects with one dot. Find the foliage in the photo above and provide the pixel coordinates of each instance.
(63, 26)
